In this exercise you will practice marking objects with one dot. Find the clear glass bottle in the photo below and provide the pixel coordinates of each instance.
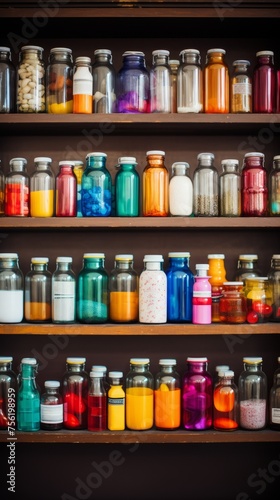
(31, 80)
(42, 188)
(96, 190)
(258, 293)
(127, 188)
(274, 281)
(219, 373)
(174, 65)
(233, 303)
(139, 395)
(2, 191)
(167, 396)
(252, 387)
(155, 185)
(217, 279)
(51, 407)
(11, 289)
(82, 86)
(37, 291)
(66, 190)
(180, 190)
(254, 190)
(160, 75)
(274, 400)
(197, 397)
(247, 266)
(92, 290)
(17, 189)
(225, 403)
(78, 171)
(190, 82)
(153, 291)
(274, 187)
(180, 282)
(103, 370)
(216, 82)
(7, 82)
(230, 189)
(75, 387)
(124, 292)
(28, 397)
(104, 82)
(202, 296)
(97, 403)
(59, 81)
(8, 392)
(133, 84)
(116, 402)
(241, 87)
(63, 292)
(264, 83)
(206, 187)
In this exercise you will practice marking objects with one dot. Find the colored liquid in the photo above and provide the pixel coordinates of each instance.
(253, 413)
(139, 408)
(16, 200)
(116, 408)
(197, 403)
(216, 89)
(74, 410)
(42, 203)
(82, 103)
(124, 306)
(167, 408)
(225, 417)
(37, 311)
(97, 413)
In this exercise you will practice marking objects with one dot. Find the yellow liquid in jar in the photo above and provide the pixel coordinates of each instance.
(42, 203)
(139, 408)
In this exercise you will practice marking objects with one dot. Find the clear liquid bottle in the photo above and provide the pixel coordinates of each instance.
(75, 386)
(139, 394)
(225, 403)
(124, 290)
(254, 189)
(66, 190)
(174, 65)
(217, 272)
(28, 397)
(63, 292)
(42, 188)
(190, 82)
(92, 290)
(116, 402)
(206, 187)
(11, 289)
(96, 190)
(37, 290)
(160, 75)
(202, 296)
(153, 291)
(274, 187)
(264, 83)
(241, 87)
(97, 403)
(180, 282)
(230, 189)
(180, 190)
(252, 387)
(167, 396)
(274, 400)
(104, 82)
(31, 87)
(247, 266)
(59, 81)
(8, 392)
(274, 281)
(155, 185)
(133, 84)
(17, 189)
(197, 388)
(82, 86)
(216, 82)
(7, 82)
(51, 407)
(127, 188)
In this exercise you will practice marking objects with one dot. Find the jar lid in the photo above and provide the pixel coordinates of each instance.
(52, 383)
(64, 259)
(5, 49)
(29, 361)
(230, 161)
(179, 254)
(197, 360)
(8, 256)
(103, 51)
(94, 155)
(127, 159)
(115, 374)
(67, 162)
(155, 152)
(233, 283)
(61, 49)
(252, 361)
(276, 256)
(229, 374)
(189, 51)
(16, 160)
(167, 362)
(202, 266)
(78, 163)
(216, 256)
(124, 256)
(153, 258)
(42, 159)
(99, 368)
(205, 156)
(139, 361)
(39, 260)
(241, 61)
(265, 53)
(210, 51)
(257, 278)
(31, 47)
(249, 256)
(161, 52)
(75, 361)
(6, 359)
(95, 374)
(94, 255)
(260, 155)
(133, 53)
(277, 157)
(174, 62)
(221, 367)
(83, 59)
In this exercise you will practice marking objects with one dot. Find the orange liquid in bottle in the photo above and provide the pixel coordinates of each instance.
(216, 84)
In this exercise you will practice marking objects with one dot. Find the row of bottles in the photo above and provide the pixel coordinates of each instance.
(195, 400)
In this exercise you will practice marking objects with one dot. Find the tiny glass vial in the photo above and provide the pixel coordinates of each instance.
(63, 292)
(92, 290)
(96, 193)
(217, 272)
(133, 84)
(139, 395)
(66, 190)
(206, 187)
(75, 387)
(197, 387)
(8, 393)
(274, 400)
(241, 87)
(7, 82)
(59, 81)
(51, 407)
(230, 189)
(233, 303)
(247, 266)
(28, 397)
(127, 188)
(153, 291)
(252, 388)
(225, 403)
(274, 281)
(124, 293)
(254, 190)
(2, 192)
(180, 190)
(258, 293)
(97, 403)
(264, 83)
(42, 188)
(160, 75)
(167, 396)
(202, 296)
(31, 80)
(174, 65)
(11, 289)
(274, 187)
(116, 402)
(17, 189)
(155, 185)
(82, 85)
(180, 282)
(37, 291)
(190, 82)
(78, 171)
(216, 82)
(104, 82)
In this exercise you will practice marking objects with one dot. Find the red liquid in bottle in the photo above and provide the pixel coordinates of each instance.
(97, 413)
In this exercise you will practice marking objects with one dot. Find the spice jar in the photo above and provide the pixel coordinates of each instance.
(241, 87)
(190, 82)
(59, 81)
(31, 80)
(133, 84)
(7, 82)
(155, 186)
(206, 187)
(230, 189)
(160, 74)
(17, 189)
(216, 82)
(232, 304)
(258, 295)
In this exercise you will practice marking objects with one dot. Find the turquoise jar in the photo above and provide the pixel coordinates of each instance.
(96, 191)
(127, 187)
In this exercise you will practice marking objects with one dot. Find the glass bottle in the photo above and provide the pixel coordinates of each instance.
(51, 407)
(7, 82)
(167, 396)
(160, 75)
(153, 291)
(124, 293)
(274, 282)
(247, 266)
(42, 188)
(264, 83)
(274, 400)
(216, 82)
(103, 371)
(241, 87)
(278, 91)
(63, 292)
(31, 80)
(11, 289)
(230, 189)
(59, 81)
(202, 296)
(127, 188)
(104, 82)
(190, 82)
(28, 397)
(82, 86)
(206, 187)
(197, 387)
(254, 191)
(174, 65)
(75, 386)
(78, 171)
(139, 395)
(180, 190)
(97, 403)
(116, 402)
(274, 187)
(233, 303)
(225, 403)
(217, 272)
(66, 190)
(219, 373)
(17, 189)
(133, 82)
(258, 293)
(8, 392)
(180, 282)
(2, 191)
(38, 299)
(252, 387)
(155, 185)
(96, 190)
(92, 290)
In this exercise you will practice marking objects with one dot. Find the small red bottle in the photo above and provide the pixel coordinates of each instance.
(97, 403)
(264, 83)
(254, 191)
(75, 394)
(66, 190)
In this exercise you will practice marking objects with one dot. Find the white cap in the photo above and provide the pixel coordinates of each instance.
(96, 154)
(96, 373)
(209, 51)
(115, 374)
(161, 52)
(260, 155)
(99, 255)
(229, 161)
(229, 374)
(29, 361)
(99, 368)
(216, 256)
(64, 259)
(75, 361)
(8, 256)
(167, 362)
(276, 256)
(6, 359)
(233, 283)
(248, 256)
(155, 152)
(124, 256)
(265, 53)
(43, 159)
(197, 360)
(139, 361)
(52, 383)
(179, 254)
(39, 260)
(252, 360)
(221, 367)
(153, 258)
(127, 159)
(66, 162)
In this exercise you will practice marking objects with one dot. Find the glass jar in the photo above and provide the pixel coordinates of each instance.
(59, 81)
(96, 190)
(264, 83)
(180, 190)
(28, 397)
(17, 189)
(124, 293)
(197, 395)
(63, 292)
(51, 407)
(104, 82)
(139, 394)
(219, 373)
(202, 296)
(75, 386)
(174, 65)
(127, 188)
(252, 387)
(254, 191)
(206, 187)
(233, 303)
(274, 400)
(8, 392)
(190, 82)
(217, 278)
(66, 190)
(153, 291)
(7, 82)
(38, 299)
(97, 403)
(216, 82)
(2, 192)
(274, 282)
(230, 189)
(180, 282)
(42, 188)
(274, 187)
(11, 289)
(82, 86)
(241, 87)
(31, 80)
(167, 396)
(78, 171)
(258, 293)
(225, 403)
(92, 290)
(155, 185)
(133, 84)
(247, 266)
(160, 74)
(116, 402)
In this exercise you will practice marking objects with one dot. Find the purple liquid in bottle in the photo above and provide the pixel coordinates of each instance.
(197, 395)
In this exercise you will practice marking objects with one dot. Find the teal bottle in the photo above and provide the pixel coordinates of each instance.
(28, 399)
(96, 191)
(92, 290)
(127, 188)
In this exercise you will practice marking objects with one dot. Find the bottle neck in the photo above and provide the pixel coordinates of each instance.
(75, 368)
(139, 368)
(39, 267)
(198, 367)
(8, 263)
(5, 367)
(153, 266)
(93, 263)
(253, 367)
(179, 262)
(63, 266)
(123, 265)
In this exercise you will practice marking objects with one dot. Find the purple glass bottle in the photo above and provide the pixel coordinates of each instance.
(254, 191)
(197, 395)
(133, 83)
(264, 83)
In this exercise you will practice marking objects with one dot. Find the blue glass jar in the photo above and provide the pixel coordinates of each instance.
(127, 188)
(133, 84)
(180, 280)
(96, 192)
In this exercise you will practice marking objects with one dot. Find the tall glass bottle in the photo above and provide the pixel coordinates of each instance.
(264, 83)
(180, 190)
(59, 81)
(42, 189)
(78, 171)
(28, 397)
(217, 272)
(82, 85)
(11, 289)
(2, 191)
(274, 400)
(7, 82)
(274, 281)
(97, 403)
(116, 402)
(174, 65)
(127, 188)
(75, 386)
(17, 189)
(37, 290)
(252, 386)
(63, 292)
(180, 282)
(202, 296)
(155, 186)
(92, 290)
(139, 394)
(206, 187)
(51, 407)
(104, 82)
(96, 193)
(66, 190)
(167, 396)
(197, 395)
(241, 87)
(160, 76)
(274, 187)
(124, 292)
(8, 392)
(216, 82)
(31, 80)
(247, 266)
(225, 403)
(230, 189)
(153, 291)
(133, 84)
(254, 191)
(190, 82)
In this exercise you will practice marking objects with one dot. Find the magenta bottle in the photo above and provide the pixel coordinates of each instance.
(201, 301)
(197, 395)
(66, 190)
(254, 191)
(97, 402)
(264, 83)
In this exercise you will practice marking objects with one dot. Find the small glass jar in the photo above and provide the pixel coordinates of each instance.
(59, 81)
(206, 187)
(78, 171)
(97, 403)
(180, 282)
(82, 86)
(63, 291)
(252, 387)
(217, 279)
(230, 189)
(174, 65)
(11, 289)
(124, 293)
(96, 192)
(216, 82)
(8, 392)
(38, 299)
(241, 87)
(247, 266)
(160, 75)
(153, 291)
(127, 188)
(258, 293)
(139, 394)
(51, 407)
(104, 82)
(133, 84)
(7, 82)
(190, 82)
(180, 190)
(197, 395)
(75, 386)
(17, 189)
(274, 187)
(31, 80)
(225, 403)
(274, 281)
(167, 396)
(155, 185)
(264, 83)
(254, 190)
(233, 303)
(42, 188)
(66, 190)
